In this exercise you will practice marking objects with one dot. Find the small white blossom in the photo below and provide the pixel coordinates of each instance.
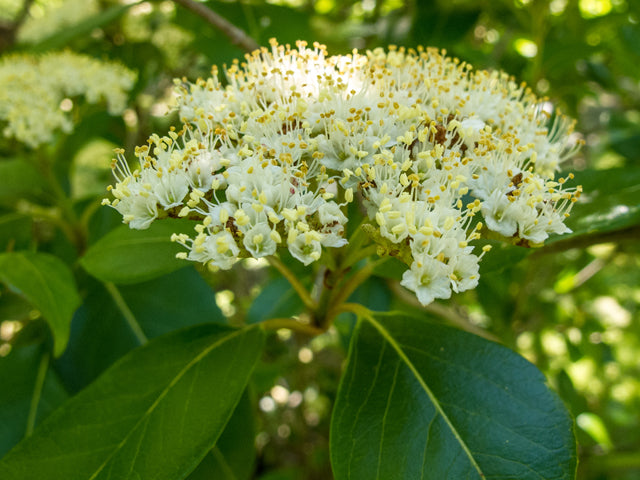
(429, 278)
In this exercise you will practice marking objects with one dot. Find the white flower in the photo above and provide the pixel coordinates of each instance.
(428, 278)
(502, 214)
(464, 272)
(259, 242)
(306, 246)
(220, 250)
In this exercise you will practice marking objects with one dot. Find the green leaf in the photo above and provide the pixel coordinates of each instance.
(27, 383)
(421, 400)
(15, 231)
(132, 256)
(373, 294)
(175, 300)
(501, 255)
(48, 284)
(611, 201)
(234, 455)
(154, 414)
(100, 333)
(276, 299)
(20, 179)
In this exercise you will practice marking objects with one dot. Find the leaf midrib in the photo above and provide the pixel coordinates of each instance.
(387, 336)
(164, 392)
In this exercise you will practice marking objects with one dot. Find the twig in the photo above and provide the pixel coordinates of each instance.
(583, 241)
(8, 31)
(302, 292)
(237, 36)
(291, 324)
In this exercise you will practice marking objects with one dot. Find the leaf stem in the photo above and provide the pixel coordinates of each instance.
(291, 324)
(359, 310)
(237, 36)
(126, 312)
(37, 392)
(74, 229)
(302, 292)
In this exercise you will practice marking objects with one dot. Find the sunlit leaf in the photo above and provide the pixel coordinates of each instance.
(85, 27)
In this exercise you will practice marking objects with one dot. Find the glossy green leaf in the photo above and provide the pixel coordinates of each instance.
(100, 333)
(48, 284)
(276, 299)
(421, 400)
(373, 294)
(175, 300)
(132, 256)
(611, 201)
(501, 255)
(233, 457)
(27, 383)
(154, 414)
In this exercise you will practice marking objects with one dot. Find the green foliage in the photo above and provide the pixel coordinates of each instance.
(420, 400)
(126, 256)
(48, 284)
(186, 383)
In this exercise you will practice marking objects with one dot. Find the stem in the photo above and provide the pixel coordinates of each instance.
(355, 308)
(126, 312)
(291, 324)
(342, 294)
(74, 229)
(302, 292)
(37, 393)
(583, 241)
(237, 36)
(8, 30)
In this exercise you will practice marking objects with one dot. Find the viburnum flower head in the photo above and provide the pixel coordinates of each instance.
(436, 153)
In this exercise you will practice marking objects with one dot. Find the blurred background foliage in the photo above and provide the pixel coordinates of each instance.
(571, 307)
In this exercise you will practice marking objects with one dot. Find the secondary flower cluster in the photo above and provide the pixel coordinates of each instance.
(427, 144)
(32, 89)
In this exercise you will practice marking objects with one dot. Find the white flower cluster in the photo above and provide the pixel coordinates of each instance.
(427, 144)
(32, 90)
